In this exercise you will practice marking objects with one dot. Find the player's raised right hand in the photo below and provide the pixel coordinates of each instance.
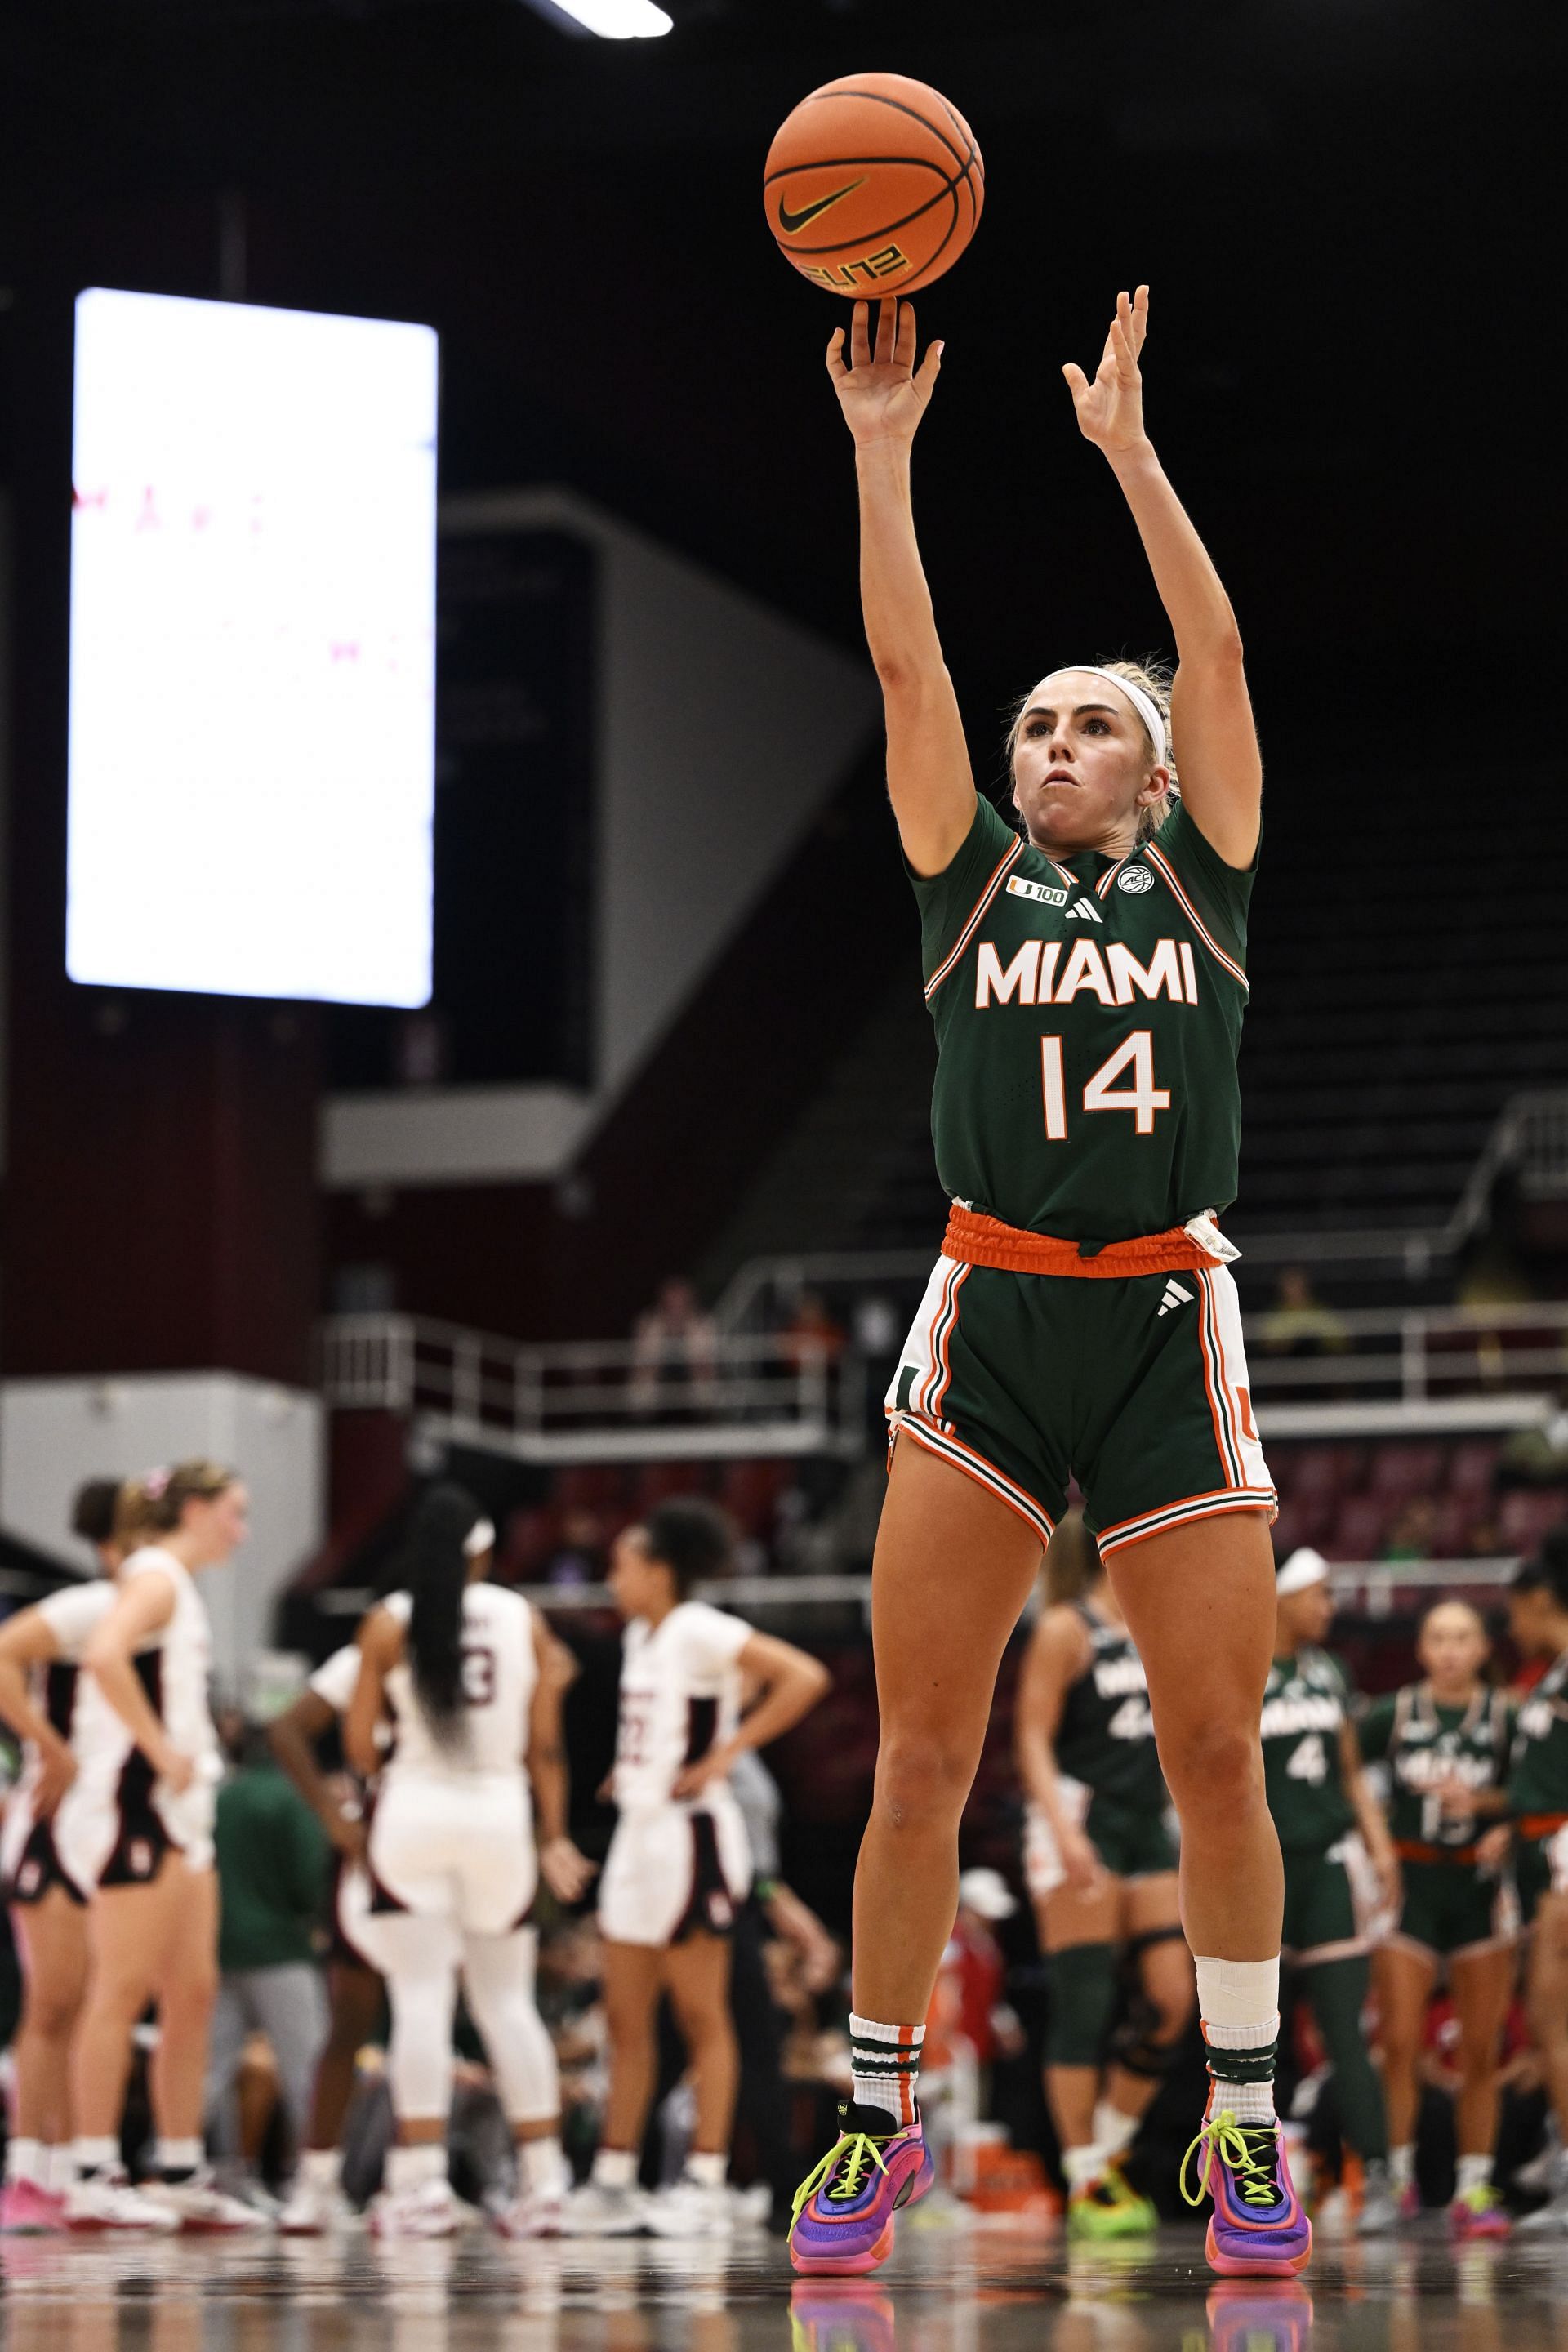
(882, 392)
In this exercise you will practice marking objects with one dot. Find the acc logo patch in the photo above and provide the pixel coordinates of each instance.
(1135, 880)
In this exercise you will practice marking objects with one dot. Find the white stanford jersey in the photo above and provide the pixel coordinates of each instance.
(499, 1670)
(71, 1614)
(680, 1695)
(175, 1665)
(336, 1679)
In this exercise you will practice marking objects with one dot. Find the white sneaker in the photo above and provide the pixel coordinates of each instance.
(595, 2211)
(316, 2209)
(106, 2200)
(1549, 2221)
(690, 2210)
(201, 2208)
(431, 2210)
(534, 2214)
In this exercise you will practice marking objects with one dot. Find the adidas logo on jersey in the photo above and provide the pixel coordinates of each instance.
(1084, 911)
(1175, 1297)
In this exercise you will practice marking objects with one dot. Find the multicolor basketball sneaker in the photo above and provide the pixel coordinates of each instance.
(844, 2208)
(1257, 2229)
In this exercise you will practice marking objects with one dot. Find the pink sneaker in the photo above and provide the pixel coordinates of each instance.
(28, 2211)
(845, 2208)
(1479, 2213)
(1257, 2229)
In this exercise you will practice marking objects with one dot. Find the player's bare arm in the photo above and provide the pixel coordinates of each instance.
(792, 1683)
(1370, 1818)
(380, 1647)
(1057, 1654)
(1214, 737)
(884, 398)
(27, 1640)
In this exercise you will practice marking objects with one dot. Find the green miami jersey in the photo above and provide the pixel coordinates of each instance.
(1538, 1771)
(1088, 1016)
(1306, 1705)
(1421, 1745)
(1106, 1735)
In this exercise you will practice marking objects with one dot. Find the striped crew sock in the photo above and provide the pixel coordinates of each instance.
(1239, 2001)
(885, 2059)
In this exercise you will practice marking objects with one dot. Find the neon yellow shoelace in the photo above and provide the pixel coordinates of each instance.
(1224, 2138)
(856, 2151)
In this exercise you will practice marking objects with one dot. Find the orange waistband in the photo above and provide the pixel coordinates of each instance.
(977, 1240)
(1412, 1850)
(1540, 1825)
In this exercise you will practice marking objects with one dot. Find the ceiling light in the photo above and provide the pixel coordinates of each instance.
(612, 20)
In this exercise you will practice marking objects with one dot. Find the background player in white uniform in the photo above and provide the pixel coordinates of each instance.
(39, 1653)
(135, 1835)
(678, 1862)
(316, 2202)
(463, 1668)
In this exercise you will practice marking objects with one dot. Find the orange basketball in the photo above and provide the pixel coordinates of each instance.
(873, 185)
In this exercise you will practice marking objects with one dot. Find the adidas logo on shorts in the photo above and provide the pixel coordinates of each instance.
(1175, 1297)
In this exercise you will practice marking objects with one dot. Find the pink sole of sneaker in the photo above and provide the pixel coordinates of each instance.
(845, 2265)
(1233, 2266)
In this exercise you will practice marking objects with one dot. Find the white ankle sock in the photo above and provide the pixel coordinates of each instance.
(616, 2167)
(25, 2160)
(707, 2171)
(1082, 2165)
(1239, 2001)
(543, 2164)
(1114, 2132)
(322, 2167)
(97, 2155)
(59, 2169)
(1474, 2172)
(885, 2061)
(1401, 2166)
(183, 2157)
(411, 2167)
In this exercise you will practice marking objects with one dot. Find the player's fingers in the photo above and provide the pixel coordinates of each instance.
(887, 329)
(904, 341)
(1126, 358)
(1140, 316)
(861, 335)
(835, 367)
(929, 370)
(1076, 382)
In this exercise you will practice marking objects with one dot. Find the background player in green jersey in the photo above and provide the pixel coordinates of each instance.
(1442, 1748)
(1101, 1872)
(1328, 1818)
(1087, 975)
(1538, 1804)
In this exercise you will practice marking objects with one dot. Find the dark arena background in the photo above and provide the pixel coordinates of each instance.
(629, 1194)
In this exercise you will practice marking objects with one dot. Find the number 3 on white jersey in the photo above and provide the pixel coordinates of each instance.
(1143, 1097)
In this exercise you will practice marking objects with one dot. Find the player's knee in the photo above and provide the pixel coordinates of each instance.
(51, 2016)
(1211, 1766)
(1081, 1982)
(922, 1782)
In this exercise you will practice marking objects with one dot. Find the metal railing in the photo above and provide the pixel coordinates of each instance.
(590, 1400)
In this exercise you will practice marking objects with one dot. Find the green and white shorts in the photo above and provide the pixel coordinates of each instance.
(1136, 1385)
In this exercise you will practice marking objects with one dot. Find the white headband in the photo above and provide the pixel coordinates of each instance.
(479, 1539)
(1304, 1568)
(1142, 702)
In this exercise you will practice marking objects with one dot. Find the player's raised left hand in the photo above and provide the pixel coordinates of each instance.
(1109, 404)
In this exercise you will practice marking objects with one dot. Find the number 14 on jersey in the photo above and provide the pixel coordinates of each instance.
(1141, 1098)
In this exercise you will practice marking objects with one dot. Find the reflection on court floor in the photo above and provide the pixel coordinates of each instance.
(952, 2287)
